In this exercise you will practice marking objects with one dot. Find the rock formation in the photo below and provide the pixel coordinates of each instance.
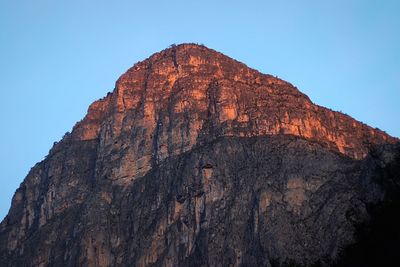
(197, 160)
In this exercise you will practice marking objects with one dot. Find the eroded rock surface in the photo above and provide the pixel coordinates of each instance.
(188, 95)
(197, 160)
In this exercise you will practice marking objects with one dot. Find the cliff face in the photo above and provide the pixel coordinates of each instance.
(189, 95)
(196, 159)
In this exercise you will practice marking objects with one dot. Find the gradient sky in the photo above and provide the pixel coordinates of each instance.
(56, 57)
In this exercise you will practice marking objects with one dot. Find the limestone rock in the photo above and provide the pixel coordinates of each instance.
(197, 160)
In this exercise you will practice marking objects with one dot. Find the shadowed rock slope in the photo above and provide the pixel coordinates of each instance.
(197, 160)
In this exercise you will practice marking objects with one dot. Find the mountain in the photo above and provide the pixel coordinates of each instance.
(196, 159)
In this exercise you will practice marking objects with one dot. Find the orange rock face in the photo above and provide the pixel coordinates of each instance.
(189, 94)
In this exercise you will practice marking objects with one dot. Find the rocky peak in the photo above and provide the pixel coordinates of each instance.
(190, 147)
(189, 94)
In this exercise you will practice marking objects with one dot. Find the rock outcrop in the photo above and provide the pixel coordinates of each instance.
(197, 160)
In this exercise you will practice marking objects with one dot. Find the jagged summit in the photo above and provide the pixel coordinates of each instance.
(188, 49)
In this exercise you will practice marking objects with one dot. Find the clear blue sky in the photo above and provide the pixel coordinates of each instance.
(56, 57)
